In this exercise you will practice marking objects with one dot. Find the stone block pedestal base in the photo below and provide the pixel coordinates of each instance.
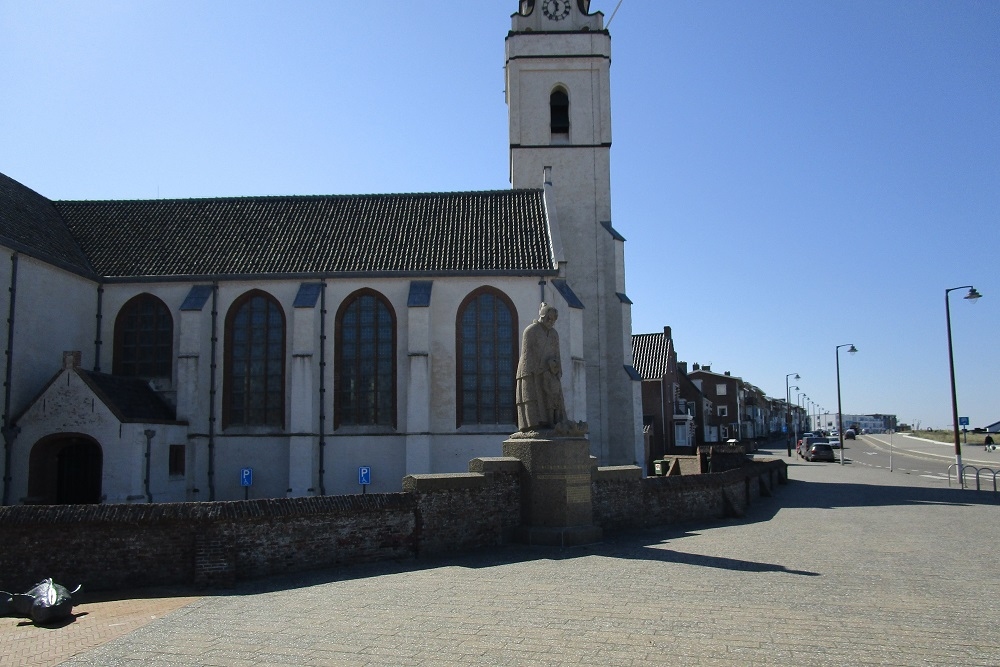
(556, 508)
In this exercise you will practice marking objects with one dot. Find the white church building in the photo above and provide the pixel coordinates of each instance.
(216, 349)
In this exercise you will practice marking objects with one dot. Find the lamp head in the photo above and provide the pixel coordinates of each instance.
(973, 295)
(853, 350)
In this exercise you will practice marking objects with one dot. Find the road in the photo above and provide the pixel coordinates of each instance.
(919, 456)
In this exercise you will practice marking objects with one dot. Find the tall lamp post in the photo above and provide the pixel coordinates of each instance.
(840, 409)
(798, 414)
(788, 414)
(972, 296)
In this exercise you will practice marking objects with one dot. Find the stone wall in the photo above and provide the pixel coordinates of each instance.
(216, 544)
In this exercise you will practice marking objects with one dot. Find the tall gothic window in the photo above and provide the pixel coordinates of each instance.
(559, 112)
(144, 339)
(255, 362)
(366, 361)
(487, 358)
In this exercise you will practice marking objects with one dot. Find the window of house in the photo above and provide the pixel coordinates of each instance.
(723, 411)
(487, 358)
(255, 362)
(366, 361)
(720, 389)
(559, 112)
(177, 461)
(144, 339)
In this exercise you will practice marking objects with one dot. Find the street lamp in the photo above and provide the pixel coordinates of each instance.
(972, 296)
(840, 409)
(791, 417)
(798, 414)
(788, 415)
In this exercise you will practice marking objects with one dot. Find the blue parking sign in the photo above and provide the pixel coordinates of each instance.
(246, 476)
(364, 475)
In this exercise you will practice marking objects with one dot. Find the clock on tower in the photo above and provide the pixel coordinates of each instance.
(556, 10)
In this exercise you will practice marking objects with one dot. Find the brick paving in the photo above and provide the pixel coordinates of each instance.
(845, 565)
(98, 619)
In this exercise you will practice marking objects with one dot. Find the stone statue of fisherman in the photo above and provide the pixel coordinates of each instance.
(540, 402)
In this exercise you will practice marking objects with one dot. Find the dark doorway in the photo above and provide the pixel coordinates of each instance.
(65, 470)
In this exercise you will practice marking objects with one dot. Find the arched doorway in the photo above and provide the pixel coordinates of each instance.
(65, 469)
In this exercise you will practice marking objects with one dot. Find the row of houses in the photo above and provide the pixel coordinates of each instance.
(684, 408)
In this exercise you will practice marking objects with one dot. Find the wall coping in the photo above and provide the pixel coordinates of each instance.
(611, 473)
(488, 464)
(443, 482)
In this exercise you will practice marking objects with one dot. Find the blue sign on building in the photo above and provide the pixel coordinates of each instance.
(246, 476)
(364, 475)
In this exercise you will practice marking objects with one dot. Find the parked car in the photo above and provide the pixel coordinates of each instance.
(820, 451)
(849, 434)
(807, 441)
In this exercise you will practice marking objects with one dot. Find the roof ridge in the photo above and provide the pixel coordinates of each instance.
(371, 195)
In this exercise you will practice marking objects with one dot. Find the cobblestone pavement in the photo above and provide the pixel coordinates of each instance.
(845, 565)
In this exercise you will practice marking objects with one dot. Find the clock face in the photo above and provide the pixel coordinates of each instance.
(556, 10)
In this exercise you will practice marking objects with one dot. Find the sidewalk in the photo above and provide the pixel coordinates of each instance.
(844, 565)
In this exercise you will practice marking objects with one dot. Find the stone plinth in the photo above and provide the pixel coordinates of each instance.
(556, 506)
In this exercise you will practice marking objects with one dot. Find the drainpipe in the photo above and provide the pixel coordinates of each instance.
(149, 440)
(9, 431)
(211, 392)
(322, 388)
(97, 337)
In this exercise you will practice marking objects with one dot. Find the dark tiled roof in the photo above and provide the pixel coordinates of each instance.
(131, 399)
(650, 354)
(503, 232)
(30, 223)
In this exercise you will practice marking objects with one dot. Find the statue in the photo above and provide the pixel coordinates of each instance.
(539, 375)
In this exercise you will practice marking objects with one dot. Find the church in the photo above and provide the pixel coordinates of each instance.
(176, 350)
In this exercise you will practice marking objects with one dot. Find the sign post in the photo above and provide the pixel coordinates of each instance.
(246, 481)
(364, 478)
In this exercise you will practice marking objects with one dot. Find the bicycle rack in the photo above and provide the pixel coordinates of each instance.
(978, 472)
(993, 472)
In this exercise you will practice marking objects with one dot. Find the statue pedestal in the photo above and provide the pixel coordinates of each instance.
(556, 507)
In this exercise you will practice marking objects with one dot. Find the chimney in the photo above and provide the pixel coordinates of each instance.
(71, 359)
(667, 333)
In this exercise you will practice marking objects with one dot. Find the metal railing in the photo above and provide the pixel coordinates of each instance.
(978, 475)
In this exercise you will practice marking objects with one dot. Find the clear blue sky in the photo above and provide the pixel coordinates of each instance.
(790, 175)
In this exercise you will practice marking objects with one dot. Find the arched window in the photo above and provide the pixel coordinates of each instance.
(254, 392)
(559, 112)
(365, 361)
(487, 358)
(144, 339)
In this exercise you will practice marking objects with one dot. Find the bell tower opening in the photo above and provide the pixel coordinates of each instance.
(559, 114)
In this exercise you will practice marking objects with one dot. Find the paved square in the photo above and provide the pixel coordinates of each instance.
(845, 565)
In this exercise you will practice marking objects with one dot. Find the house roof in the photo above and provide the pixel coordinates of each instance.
(651, 355)
(130, 399)
(29, 223)
(496, 232)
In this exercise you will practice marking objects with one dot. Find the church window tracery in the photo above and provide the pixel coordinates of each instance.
(255, 362)
(366, 361)
(487, 358)
(144, 339)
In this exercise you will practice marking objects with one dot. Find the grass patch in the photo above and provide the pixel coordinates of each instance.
(949, 436)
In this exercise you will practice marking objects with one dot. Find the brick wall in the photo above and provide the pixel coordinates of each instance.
(123, 546)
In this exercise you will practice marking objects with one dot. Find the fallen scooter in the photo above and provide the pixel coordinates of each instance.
(46, 602)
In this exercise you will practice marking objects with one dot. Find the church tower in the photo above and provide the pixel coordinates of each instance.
(558, 61)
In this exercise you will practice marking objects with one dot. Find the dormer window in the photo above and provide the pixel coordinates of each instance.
(559, 112)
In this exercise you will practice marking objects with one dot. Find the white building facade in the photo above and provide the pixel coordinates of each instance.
(158, 350)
